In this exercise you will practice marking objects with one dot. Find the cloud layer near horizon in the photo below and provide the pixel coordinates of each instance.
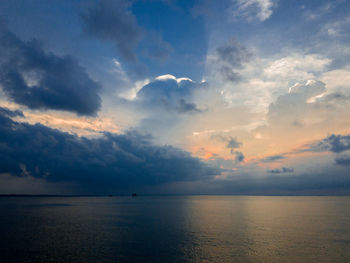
(112, 161)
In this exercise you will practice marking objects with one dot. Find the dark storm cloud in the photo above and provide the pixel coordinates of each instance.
(343, 160)
(112, 161)
(273, 158)
(170, 94)
(231, 57)
(333, 143)
(281, 170)
(113, 21)
(40, 80)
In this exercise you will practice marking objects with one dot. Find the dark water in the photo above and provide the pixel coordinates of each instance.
(175, 229)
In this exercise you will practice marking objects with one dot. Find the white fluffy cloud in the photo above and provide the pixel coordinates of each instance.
(296, 66)
(337, 79)
(262, 80)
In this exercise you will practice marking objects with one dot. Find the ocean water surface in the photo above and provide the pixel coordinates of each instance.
(175, 229)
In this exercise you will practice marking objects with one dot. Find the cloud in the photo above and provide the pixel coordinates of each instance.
(9, 113)
(261, 80)
(281, 170)
(305, 173)
(253, 9)
(230, 58)
(309, 89)
(307, 104)
(336, 29)
(29, 76)
(334, 143)
(343, 160)
(336, 97)
(273, 158)
(293, 106)
(184, 107)
(231, 143)
(170, 93)
(165, 105)
(113, 21)
(111, 162)
(234, 54)
(296, 67)
(239, 156)
(338, 79)
(308, 109)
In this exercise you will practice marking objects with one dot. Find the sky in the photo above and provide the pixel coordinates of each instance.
(175, 97)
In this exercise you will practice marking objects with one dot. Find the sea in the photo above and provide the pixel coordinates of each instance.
(175, 229)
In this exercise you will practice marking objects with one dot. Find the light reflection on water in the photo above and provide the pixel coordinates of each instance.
(175, 229)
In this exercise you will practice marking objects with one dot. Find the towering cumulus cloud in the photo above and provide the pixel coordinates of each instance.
(40, 80)
(110, 162)
(170, 93)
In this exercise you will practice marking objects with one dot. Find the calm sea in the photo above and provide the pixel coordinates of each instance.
(175, 229)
